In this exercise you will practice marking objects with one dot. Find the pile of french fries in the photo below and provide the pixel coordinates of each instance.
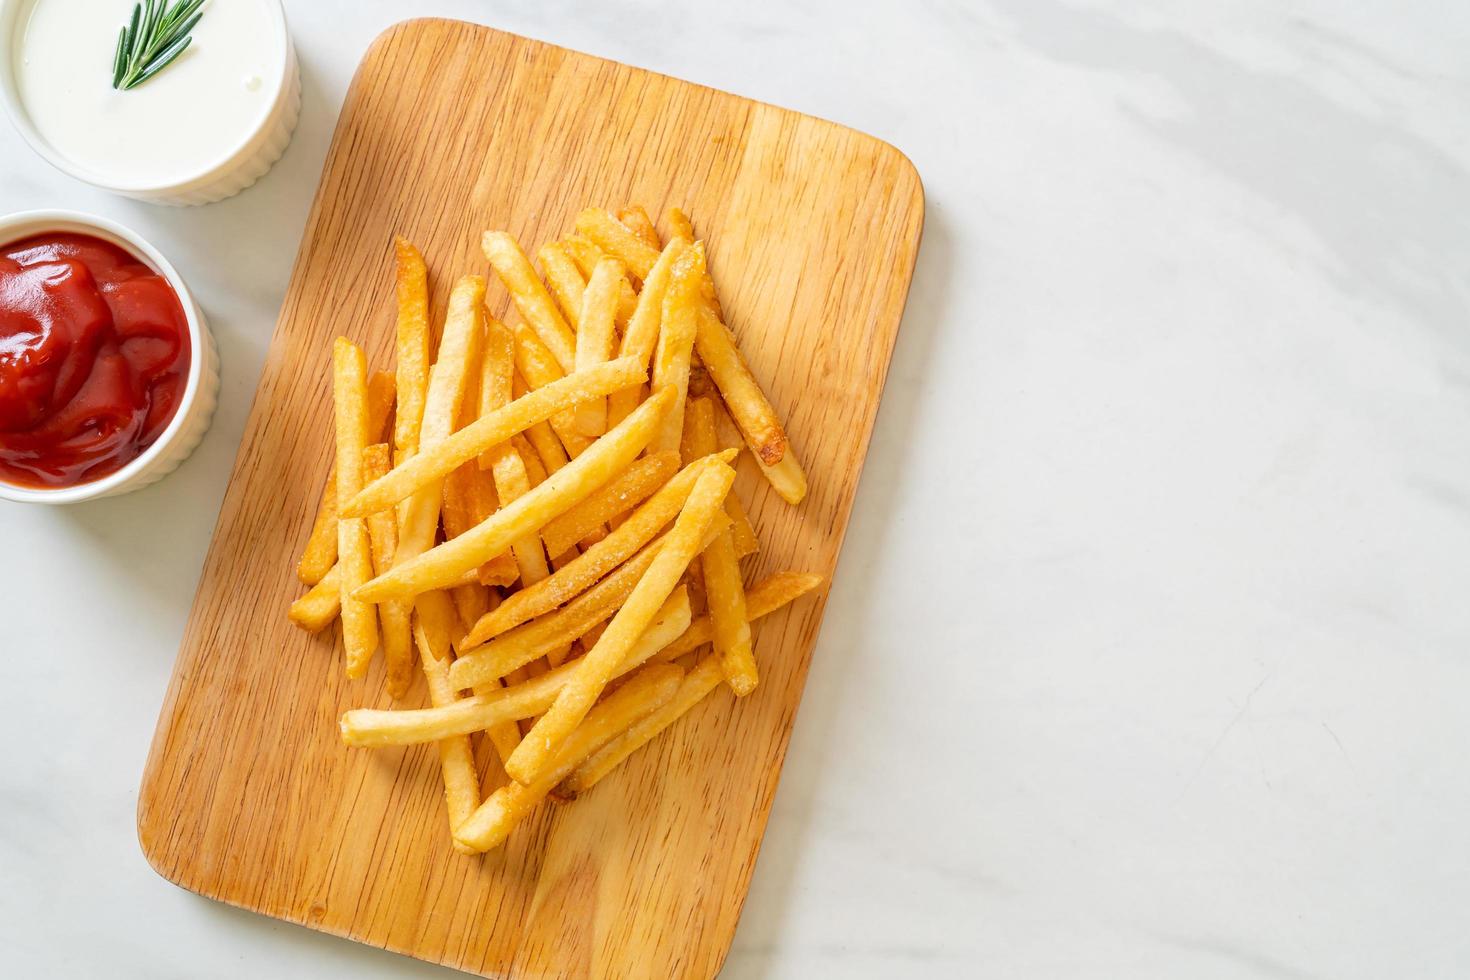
(547, 526)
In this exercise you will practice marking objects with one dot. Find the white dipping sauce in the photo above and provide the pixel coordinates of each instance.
(181, 123)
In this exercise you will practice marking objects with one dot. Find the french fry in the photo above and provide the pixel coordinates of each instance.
(641, 335)
(719, 566)
(530, 297)
(395, 616)
(433, 629)
(725, 594)
(509, 653)
(373, 728)
(761, 599)
(538, 368)
(743, 396)
(676, 343)
(678, 224)
(320, 553)
(586, 255)
(535, 472)
(565, 280)
(636, 220)
(471, 601)
(469, 497)
(683, 542)
(432, 463)
(418, 517)
(513, 483)
(644, 693)
(701, 431)
(505, 461)
(530, 641)
(576, 481)
(595, 338)
(695, 686)
(609, 235)
(315, 611)
(600, 559)
(497, 374)
(729, 437)
(536, 568)
(548, 447)
(624, 492)
(412, 346)
(349, 395)
(786, 477)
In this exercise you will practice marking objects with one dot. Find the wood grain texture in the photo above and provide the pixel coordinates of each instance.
(449, 129)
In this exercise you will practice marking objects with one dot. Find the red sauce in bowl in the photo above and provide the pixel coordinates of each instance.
(94, 357)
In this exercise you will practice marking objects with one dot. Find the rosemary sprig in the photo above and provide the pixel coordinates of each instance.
(155, 36)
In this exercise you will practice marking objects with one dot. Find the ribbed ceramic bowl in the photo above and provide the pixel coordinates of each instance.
(243, 166)
(201, 390)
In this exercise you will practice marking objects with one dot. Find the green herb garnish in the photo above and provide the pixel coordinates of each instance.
(156, 35)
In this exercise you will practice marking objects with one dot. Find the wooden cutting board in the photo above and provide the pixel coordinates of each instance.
(449, 129)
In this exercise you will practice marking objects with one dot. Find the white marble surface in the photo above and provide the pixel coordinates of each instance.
(1149, 655)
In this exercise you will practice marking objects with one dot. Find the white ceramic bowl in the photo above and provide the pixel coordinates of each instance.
(243, 166)
(201, 390)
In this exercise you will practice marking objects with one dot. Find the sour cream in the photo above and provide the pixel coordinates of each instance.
(203, 112)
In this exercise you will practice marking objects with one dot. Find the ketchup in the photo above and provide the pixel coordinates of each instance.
(94, 356)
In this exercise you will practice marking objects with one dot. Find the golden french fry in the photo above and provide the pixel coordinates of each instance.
(548, 447)
(595, 336)
(432, 463)
(470, 603)
(678, 224)
(504, 460)
(395, 616)
(586, 255)
(680, 546)
(497, 373)
(433, 626)
(676, 342)
(641, 335)
(412, 346)
(701, 432)
(418, 516)
(538, 368)
(787, 476)
(719, 566)
(624, 492)
(569, 581)
(644, 693)
(531, 641)
(636, 220)
(513, 483)
(349, 395)
(565, 279)
(530, 296)
(761, 599)
(315, 611)
(694, 688)
(743, 396)
(373, 728)
(725, 594)
(320, 553)
(552, 635)
(469, 497)
(576, 481)
(609, 235)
